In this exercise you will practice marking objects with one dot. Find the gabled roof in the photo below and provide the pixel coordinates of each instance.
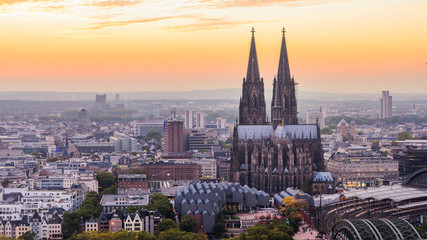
(342, 122)
(322, 177)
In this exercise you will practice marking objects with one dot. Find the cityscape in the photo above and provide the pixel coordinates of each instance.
(132, 144)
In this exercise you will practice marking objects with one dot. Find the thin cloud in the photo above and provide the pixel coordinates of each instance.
(113, 3)
(259, 3)
(10, 2)
(209, 24)
(106, 24)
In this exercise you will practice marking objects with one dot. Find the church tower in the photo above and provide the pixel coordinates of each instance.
(252, 102)
(284, 98)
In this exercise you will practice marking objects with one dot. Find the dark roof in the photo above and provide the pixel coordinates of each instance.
(60, 211)
(55, 220)
(105, 217)
(36, 217)
(13, 196)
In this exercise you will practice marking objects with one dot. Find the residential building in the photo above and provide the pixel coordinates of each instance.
(110, 202)
(224, 169)
(125, 143)
(198, 140)
(54, 227)
(142, 128)
(163, 171)
(315, 117)
(36, 225)
(132, 181)
(83, 118)
(200, 120)
(189, 118)
(173, 140)
(21, 228)
(142, 221)
(91, 225)
(221, 123)
(208, 167)
(115, 223)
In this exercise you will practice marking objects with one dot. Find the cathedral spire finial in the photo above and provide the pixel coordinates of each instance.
(283, 73)
(253, 70)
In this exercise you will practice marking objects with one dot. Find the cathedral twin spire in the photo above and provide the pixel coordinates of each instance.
(252, 103)
(252, 74)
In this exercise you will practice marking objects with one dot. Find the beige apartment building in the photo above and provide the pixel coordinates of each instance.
(361, 171)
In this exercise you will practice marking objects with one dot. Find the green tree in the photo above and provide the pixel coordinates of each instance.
(105, 180)
(161, 203)
(187, 224)
(5, 182)
(275, 229)
(165, 225)
(137, 171)
(132, 209)
(220, 228)
(52, 159)
(175, 234)
(326, 130)
(375, 145)
(402, 136)
(307, 188)
(122, 235)
(111, 190)
(70, 223)
(91, 206)
(394, 143)
(28, 236)
(154, 135)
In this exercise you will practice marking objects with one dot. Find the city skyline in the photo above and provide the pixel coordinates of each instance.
(168, 46)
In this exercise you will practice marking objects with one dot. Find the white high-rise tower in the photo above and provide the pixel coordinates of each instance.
(386, 105)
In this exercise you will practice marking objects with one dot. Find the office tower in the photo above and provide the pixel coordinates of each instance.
(189, 119)
(173, 140)
(101, 101)
(221, 123)
(277, 155)
(142, 128)
(83, 118)
(386, 105)
(315, 118)
(200, 120)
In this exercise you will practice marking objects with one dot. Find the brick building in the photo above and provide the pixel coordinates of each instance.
(173, 140)
(132, 181)
(162, 171)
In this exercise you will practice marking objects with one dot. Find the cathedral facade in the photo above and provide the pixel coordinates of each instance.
(272, 156)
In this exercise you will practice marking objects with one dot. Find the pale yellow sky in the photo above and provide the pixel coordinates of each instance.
(144, 45)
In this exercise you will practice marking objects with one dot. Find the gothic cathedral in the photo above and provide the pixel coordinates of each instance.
(272, 156)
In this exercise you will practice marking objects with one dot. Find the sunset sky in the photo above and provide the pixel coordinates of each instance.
(143, 45)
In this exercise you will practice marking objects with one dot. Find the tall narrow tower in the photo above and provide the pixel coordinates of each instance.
(286, 88)
(386, 105)
(252, 101)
